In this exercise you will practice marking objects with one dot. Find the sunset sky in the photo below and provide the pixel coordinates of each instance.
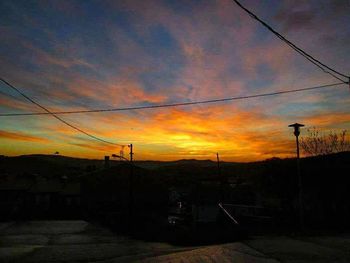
(70, 55)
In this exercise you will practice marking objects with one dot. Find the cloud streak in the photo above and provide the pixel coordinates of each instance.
(20, 136)
(131, 53)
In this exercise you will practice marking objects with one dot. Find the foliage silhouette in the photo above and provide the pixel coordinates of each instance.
(317, 143)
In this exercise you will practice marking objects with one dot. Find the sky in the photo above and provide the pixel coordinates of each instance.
(76, 55)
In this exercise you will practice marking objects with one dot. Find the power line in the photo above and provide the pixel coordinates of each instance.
(275, 93)
(312, 59)
(55, 116)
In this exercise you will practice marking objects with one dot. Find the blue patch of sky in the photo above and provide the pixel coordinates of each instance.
(8, 52)
(235, 69)
(57, 32)
(8, 14)
(185, 6)
(260, 37)
(159, 40)
(158, 43)
(295, 108)
(265, 9)
(127, 22)
(161, 45)
(336, 99)
(262, 9)
(23, 123)
(158, 81)
(167, 59)
(90, 31)
(329, 102)
(264, 79)
(7, 93)
(85, 102)
(17, 17)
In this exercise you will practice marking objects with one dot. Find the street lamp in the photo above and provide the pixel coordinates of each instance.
(296, 127)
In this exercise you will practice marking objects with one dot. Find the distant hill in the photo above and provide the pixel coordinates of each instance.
(41, 163)
(57, 165)
(182, 162)
(46, 165)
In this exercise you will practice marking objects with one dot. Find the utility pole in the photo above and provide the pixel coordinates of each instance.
(218, 162)
(131, 189)
(220, 178)
(296, 127)
(131, 153)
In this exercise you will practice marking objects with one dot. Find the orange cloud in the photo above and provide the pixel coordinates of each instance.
(114, 92)
(44, 58)
(220, 54)
(96, 147)
(15, 104)
(195, 132)
(233, 133)
(327, 120)
(20, 136)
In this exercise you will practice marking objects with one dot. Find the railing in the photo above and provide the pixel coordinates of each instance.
(249, 211)
(228, 214)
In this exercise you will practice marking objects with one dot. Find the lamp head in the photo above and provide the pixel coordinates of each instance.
(296, 127)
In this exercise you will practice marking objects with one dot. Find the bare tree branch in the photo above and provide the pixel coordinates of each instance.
(316, 143)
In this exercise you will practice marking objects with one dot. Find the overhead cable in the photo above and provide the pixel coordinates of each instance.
(312, 59)
(48, 112)
(274, 93)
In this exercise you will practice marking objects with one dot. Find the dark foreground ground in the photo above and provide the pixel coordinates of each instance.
(80, 241)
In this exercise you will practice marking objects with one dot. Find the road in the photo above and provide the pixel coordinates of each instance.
(80, 241)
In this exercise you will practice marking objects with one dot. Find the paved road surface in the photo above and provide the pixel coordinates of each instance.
(80, 241)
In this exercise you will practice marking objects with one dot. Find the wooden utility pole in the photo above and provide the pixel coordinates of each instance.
(218, 162)
(220, 178)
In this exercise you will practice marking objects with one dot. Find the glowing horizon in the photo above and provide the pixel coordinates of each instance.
(79, 55)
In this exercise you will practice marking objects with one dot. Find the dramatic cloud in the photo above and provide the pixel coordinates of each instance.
(107, 54)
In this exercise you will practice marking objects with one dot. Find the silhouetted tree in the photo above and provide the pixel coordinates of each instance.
(317, 143)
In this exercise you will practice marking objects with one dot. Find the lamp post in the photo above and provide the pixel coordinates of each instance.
(296, 127)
